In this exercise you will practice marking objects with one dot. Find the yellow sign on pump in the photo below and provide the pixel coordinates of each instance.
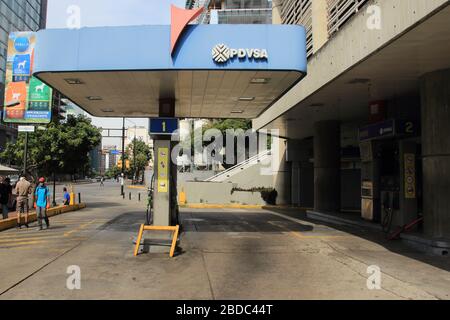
(163, 170)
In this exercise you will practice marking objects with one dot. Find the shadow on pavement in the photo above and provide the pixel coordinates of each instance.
(235, 221)
(395, 246)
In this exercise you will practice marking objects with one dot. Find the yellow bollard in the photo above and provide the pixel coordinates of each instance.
(182, 197)
(72, 195)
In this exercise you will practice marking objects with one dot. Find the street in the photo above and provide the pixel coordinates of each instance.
(225, 254)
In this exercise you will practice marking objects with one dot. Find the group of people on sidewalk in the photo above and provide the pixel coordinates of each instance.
(23, 189)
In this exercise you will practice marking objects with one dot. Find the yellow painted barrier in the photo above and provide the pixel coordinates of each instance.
(12, 222)
(143, 228)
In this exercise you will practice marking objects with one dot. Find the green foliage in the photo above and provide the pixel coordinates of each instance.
(269, 195)
(62, 147)
(113, 172)
(197, 143)
(139, 157)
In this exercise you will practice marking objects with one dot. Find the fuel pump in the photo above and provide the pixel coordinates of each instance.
(389, 153)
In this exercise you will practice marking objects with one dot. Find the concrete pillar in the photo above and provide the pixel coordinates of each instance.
(281, 171)
(327, 166)
(319, 23)
(435, 97)
(276, 12)
(302, 172)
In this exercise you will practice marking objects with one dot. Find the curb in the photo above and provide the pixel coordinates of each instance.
(220, 206)
(237, 206)
(137, 187)
(12, 222)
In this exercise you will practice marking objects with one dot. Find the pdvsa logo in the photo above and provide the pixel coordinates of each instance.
(221, 53)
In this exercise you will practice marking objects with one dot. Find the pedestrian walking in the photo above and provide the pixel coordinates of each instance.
(23, 190)
(66, 196)
(5, 196)
(42, 196)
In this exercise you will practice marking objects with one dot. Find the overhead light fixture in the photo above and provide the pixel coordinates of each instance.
(314, 105)
(260, 80)
(237, 112)
(74, 81)
(107, 110)
(94, 98)
(246, 98)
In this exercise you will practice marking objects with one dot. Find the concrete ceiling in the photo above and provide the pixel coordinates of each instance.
(393, 71)
(198, 94)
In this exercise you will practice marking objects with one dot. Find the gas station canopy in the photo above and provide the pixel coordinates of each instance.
(215, 71)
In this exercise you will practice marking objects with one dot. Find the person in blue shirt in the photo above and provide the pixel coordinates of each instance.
(42, 197)
(66, 197)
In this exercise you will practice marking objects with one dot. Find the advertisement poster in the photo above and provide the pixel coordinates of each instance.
(163, 170)
(27, 99)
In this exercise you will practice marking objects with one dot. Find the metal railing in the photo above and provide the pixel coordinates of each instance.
(340, 11)
(239, 167)
(299, 12)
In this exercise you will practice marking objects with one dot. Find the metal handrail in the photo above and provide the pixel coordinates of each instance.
(340, 11)
(237, 167)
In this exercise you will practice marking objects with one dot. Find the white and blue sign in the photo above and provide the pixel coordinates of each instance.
(44, 115)
(388, 129)
(163, 126)
(21, 44)
(21, 67)
(201, 47)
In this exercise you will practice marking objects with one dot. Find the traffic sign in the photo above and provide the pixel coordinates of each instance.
(26, 128)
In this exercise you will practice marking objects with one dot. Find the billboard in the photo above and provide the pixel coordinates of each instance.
(27, 99)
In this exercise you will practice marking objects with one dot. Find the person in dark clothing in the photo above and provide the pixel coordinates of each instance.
(5, 196)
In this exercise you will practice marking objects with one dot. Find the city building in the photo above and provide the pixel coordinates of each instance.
(233, 11)
(367, 130)
(361, 116)
(138, 132)
(96, 158)
(16, 15)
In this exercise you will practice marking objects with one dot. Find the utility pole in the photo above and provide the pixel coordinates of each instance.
(123, 159)
(25, 154)
(54, 189)
(134, 154)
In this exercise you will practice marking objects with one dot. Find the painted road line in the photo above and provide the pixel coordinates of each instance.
(80, 228)
(29, 243)
(302, 236)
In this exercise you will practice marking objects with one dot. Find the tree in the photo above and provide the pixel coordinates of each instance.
(222, 125)
(139, 157)
(61, 148)
(113, 172)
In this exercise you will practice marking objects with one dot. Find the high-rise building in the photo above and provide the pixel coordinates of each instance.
(16, 15)
(233, 11)
(96, 158)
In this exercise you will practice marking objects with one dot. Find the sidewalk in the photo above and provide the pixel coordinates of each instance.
(11, 222)
(415, 240)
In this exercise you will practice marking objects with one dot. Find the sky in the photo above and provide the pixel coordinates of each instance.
(96, 13)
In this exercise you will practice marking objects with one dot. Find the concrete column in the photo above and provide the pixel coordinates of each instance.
(327, 166)
(281, 171)
(276, 12)
(435, 97)
(319, 23)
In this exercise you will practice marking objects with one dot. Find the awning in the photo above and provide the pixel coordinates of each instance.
(7, 170)
(216, 71)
